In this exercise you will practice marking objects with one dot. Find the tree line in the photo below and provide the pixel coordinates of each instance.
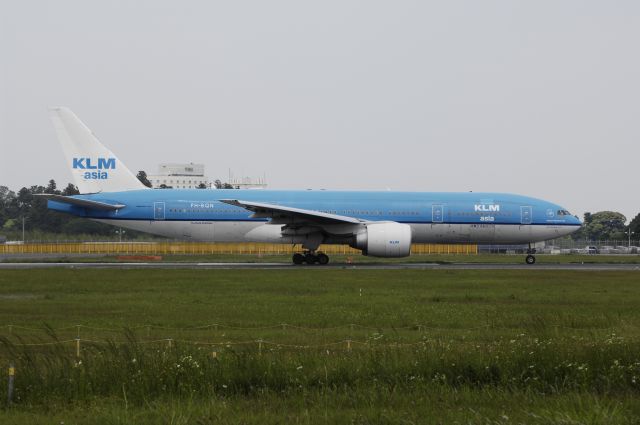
(607, 225)
(23, 204)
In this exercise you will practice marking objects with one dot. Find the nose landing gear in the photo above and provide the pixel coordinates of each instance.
(530, 259)
(310, 257)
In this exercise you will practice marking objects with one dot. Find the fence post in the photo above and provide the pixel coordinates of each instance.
(77, 347)
(259, 347)
(169, 343)
(12, 372)
(348, 345)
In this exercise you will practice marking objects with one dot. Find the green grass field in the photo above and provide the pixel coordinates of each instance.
(321, 346)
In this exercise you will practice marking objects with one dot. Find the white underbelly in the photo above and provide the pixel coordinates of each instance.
(486, 233)
(208, 231)
(254, 231)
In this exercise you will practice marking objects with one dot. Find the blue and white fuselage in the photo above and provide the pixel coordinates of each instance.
(433, 217)
(382, 224)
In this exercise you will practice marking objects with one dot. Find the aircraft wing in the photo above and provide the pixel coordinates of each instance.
(85, 203)
(289, 215)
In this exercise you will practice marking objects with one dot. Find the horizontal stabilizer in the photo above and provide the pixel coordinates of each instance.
(84, 203)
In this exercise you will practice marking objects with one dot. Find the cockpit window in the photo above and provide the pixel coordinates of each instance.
(563, 212)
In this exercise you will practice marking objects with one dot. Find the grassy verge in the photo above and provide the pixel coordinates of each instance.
(439, 406)
(427, 346)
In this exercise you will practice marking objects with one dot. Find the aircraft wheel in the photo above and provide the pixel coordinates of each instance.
(530, 259)
(298, 259)
(323, 259)
(310, 259)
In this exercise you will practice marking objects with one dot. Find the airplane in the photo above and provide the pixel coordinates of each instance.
(378, 223)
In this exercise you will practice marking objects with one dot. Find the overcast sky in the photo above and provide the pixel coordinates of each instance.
(540, 98)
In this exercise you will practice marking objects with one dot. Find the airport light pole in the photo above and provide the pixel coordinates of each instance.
(22, 229)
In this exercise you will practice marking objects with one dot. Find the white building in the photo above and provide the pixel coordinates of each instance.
(179, 176)
(247, 182)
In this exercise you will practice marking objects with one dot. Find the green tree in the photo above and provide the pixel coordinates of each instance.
(634, 225)
(76, 226)
(7, 205)
(52, 188)
(10, 224)
(603, 225)
(70, 190)
(38, 215)
(38, 218)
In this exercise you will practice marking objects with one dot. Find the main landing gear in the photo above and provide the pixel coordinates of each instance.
(531, 259)
(311, 257)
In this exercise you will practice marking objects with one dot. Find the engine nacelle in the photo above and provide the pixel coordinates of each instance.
(384, 240)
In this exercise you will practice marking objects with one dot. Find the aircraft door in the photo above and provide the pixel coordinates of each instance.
(158, 210)
(437, 213)
(526, 214)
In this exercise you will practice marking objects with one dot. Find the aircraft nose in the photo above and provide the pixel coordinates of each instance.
(574, 225)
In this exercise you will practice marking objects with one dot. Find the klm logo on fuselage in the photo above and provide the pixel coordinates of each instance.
(486, 207)
(98, 167)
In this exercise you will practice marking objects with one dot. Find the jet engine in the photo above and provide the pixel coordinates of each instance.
(388, 239)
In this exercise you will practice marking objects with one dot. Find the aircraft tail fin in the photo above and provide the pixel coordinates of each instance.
(94, 167)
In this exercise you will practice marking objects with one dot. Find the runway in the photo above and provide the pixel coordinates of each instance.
(337, 266)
